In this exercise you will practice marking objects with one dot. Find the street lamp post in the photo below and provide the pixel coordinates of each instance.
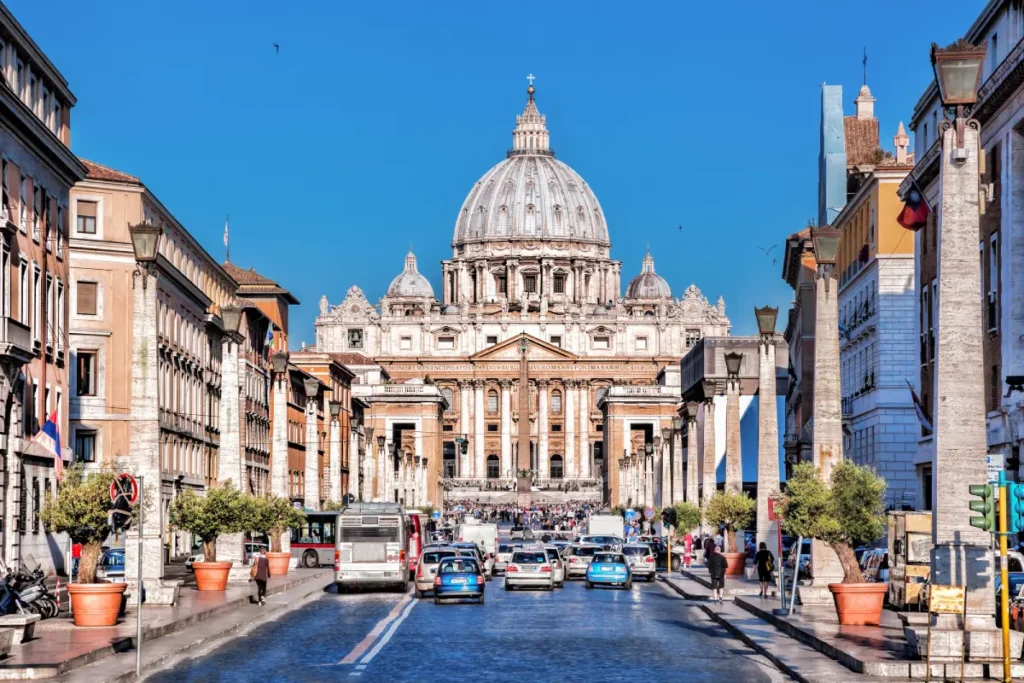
(230, 461)
(960, 554)
(279, 476)
(767, 422)
(733, 454)
(665, 453)
(311, 489)
(379, 483)
(677, 460)
(334, 457)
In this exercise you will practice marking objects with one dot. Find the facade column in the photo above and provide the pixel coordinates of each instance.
(465, 389)
(506, 427)
(478, 432)
(144, 442)
(733, 454)
(230, 463)
(334, 438)
(355, 463)
(543, 469)
(693, 462)
(569, 411)
(709, 480)
(311, 490)
(665, 458)
(767, 438)
(279, 446)
(678, 492)
(387, 464)
(584, 449)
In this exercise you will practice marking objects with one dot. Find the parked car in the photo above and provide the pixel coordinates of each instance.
(640, 557)
(606, 542)
(609, 568)
(192, 559)
(253, 547)
(805, 559)
(557, 565)
(529, 569)
(502, 558)
(111, 566)
(459, 577)
(426, 568)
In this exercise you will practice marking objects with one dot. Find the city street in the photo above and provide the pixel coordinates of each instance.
(647, 634)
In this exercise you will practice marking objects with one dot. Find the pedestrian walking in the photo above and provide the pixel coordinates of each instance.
(260, 573)
(720, 541)
(688, 549)
(765, 562)
(708, 546)
(717, 565)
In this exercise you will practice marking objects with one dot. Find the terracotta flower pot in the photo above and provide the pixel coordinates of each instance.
(96, 604)
(736, 563)
(211, 576)
(858, 604)
(279, 563)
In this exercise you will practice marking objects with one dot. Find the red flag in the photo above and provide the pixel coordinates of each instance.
(914, 215)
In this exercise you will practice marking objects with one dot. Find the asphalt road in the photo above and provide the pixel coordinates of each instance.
(647, 634)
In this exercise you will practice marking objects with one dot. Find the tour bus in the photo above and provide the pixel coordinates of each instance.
(371, 547)
(313, 541)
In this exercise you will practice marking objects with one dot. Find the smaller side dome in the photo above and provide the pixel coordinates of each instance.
(410, 282)
(648, 284)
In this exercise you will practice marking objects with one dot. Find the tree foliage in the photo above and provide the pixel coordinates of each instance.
(223, 510)
(846, 512)
(687, 516)
(331, 506)
(732, 511)
(272, 515)
(81, 509)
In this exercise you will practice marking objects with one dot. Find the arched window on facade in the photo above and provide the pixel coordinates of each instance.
(556, 401)
(449, 396)
(492, 401)
(556, 467)
(493, 469)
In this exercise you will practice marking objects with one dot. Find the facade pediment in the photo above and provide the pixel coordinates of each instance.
(511, 349)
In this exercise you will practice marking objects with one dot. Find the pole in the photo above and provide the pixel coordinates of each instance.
(796, 573)
(1004, 594)
(782, 568)
(138, 612)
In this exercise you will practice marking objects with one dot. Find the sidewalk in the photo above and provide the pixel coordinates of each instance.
(734, 585)
(59, 646)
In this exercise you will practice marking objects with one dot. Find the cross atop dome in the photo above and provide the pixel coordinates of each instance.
(531, 133)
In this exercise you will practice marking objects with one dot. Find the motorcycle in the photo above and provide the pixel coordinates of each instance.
(32, 593)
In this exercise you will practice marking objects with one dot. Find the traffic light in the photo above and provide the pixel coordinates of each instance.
(1014, 507)
(986, 506)
(672, 518)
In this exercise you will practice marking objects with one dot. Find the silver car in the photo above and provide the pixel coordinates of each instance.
(426, 569)
(557, 565)
(641, 560)
(503, 556)
(579, 557)
(529, 569)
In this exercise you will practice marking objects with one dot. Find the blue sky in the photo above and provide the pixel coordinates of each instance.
(370, 127)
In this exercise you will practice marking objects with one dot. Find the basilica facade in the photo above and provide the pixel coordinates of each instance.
(532, 362)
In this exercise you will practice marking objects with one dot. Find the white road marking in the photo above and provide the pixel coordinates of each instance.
(387, 636)
(366, 642)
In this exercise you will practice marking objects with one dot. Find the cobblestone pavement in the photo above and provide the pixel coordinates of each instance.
(647, 634)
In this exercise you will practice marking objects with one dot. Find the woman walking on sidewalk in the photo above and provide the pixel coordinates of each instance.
(260, 572)
(765, 562)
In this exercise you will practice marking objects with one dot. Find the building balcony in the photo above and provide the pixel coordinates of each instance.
(16, 344)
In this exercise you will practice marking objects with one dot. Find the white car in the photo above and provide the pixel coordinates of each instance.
(426, 568)
(529, 569)
(192, 559)
(641, 560)
(557, 565)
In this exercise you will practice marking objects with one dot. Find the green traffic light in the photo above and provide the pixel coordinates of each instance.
(1015, 507)
(986, 506)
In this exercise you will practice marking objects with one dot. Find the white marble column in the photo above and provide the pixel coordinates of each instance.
(465, 426)
(584, 447)
(569, 411)
(678, 490)
(311, 498)
(506, 427)
(230, 462)
(542, 428)
(733, 453)
(386, 474)
(479, 471)
(279, 478)
(666, 472)
(355, 464)
(709, 479)
(334, 438)
(767, 439)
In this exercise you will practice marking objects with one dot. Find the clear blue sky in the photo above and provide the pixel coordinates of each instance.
(369, 128)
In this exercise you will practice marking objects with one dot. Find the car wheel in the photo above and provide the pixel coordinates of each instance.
(629, 585)
(481, 601)
(310, 560)
(589, 585)
(437, 600)
(419, 593)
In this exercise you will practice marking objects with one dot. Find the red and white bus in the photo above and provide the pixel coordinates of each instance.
(313, 542)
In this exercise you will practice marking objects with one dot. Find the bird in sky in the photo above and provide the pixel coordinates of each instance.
(768, 251)
(774, 261)
(680, 228)
(277, 49)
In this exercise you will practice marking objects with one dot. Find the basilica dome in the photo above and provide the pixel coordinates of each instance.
(531, 195)
(648, 284)
(410, 283)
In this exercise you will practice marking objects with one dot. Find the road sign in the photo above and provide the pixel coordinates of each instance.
(124, 487)
(994, 464)
(630, 515)
(649, 512)
(437, 514)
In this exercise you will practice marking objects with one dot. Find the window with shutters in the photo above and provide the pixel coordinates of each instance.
(86, 222)
(85, 378)
(85, 303)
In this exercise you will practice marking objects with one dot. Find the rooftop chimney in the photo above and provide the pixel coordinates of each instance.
(865, 103)
(901, 141)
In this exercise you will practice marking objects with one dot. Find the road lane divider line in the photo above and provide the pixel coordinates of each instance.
(387, 636)
(366, 642)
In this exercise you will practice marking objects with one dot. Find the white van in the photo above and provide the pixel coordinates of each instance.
(486, 535)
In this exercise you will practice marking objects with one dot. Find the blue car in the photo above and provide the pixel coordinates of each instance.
(457, 578)
(609, 568)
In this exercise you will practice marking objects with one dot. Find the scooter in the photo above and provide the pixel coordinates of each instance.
(33, 593)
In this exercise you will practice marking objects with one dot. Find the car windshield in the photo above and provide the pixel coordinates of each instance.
(603, 540)
(458, 566)
(113, 558)
(505, 548)
(552, 553)
(529, 558)
(636, 550)
(609, 558)
(584, 552)
(435, 556)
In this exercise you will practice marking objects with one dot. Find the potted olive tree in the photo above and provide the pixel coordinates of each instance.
(81, 509)
(732, 511)
(846, 511)
(687, 518)
(274, 516)
(223, 510)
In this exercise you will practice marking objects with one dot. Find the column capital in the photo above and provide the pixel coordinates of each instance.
(542, 383)
(478, 383)
(505, 384)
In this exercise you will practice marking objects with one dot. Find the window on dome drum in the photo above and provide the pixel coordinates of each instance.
(601, 343)
(559, 284)
(492, 340)
(556, 467)
(641, 343)
(355, 339)
(446, 343)
(492, 401)
(556, 340)
(692, 337)
(530, 284)
(493, 468)
(405, 343)
(556, 401)
(86, 217)
(492, 427)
